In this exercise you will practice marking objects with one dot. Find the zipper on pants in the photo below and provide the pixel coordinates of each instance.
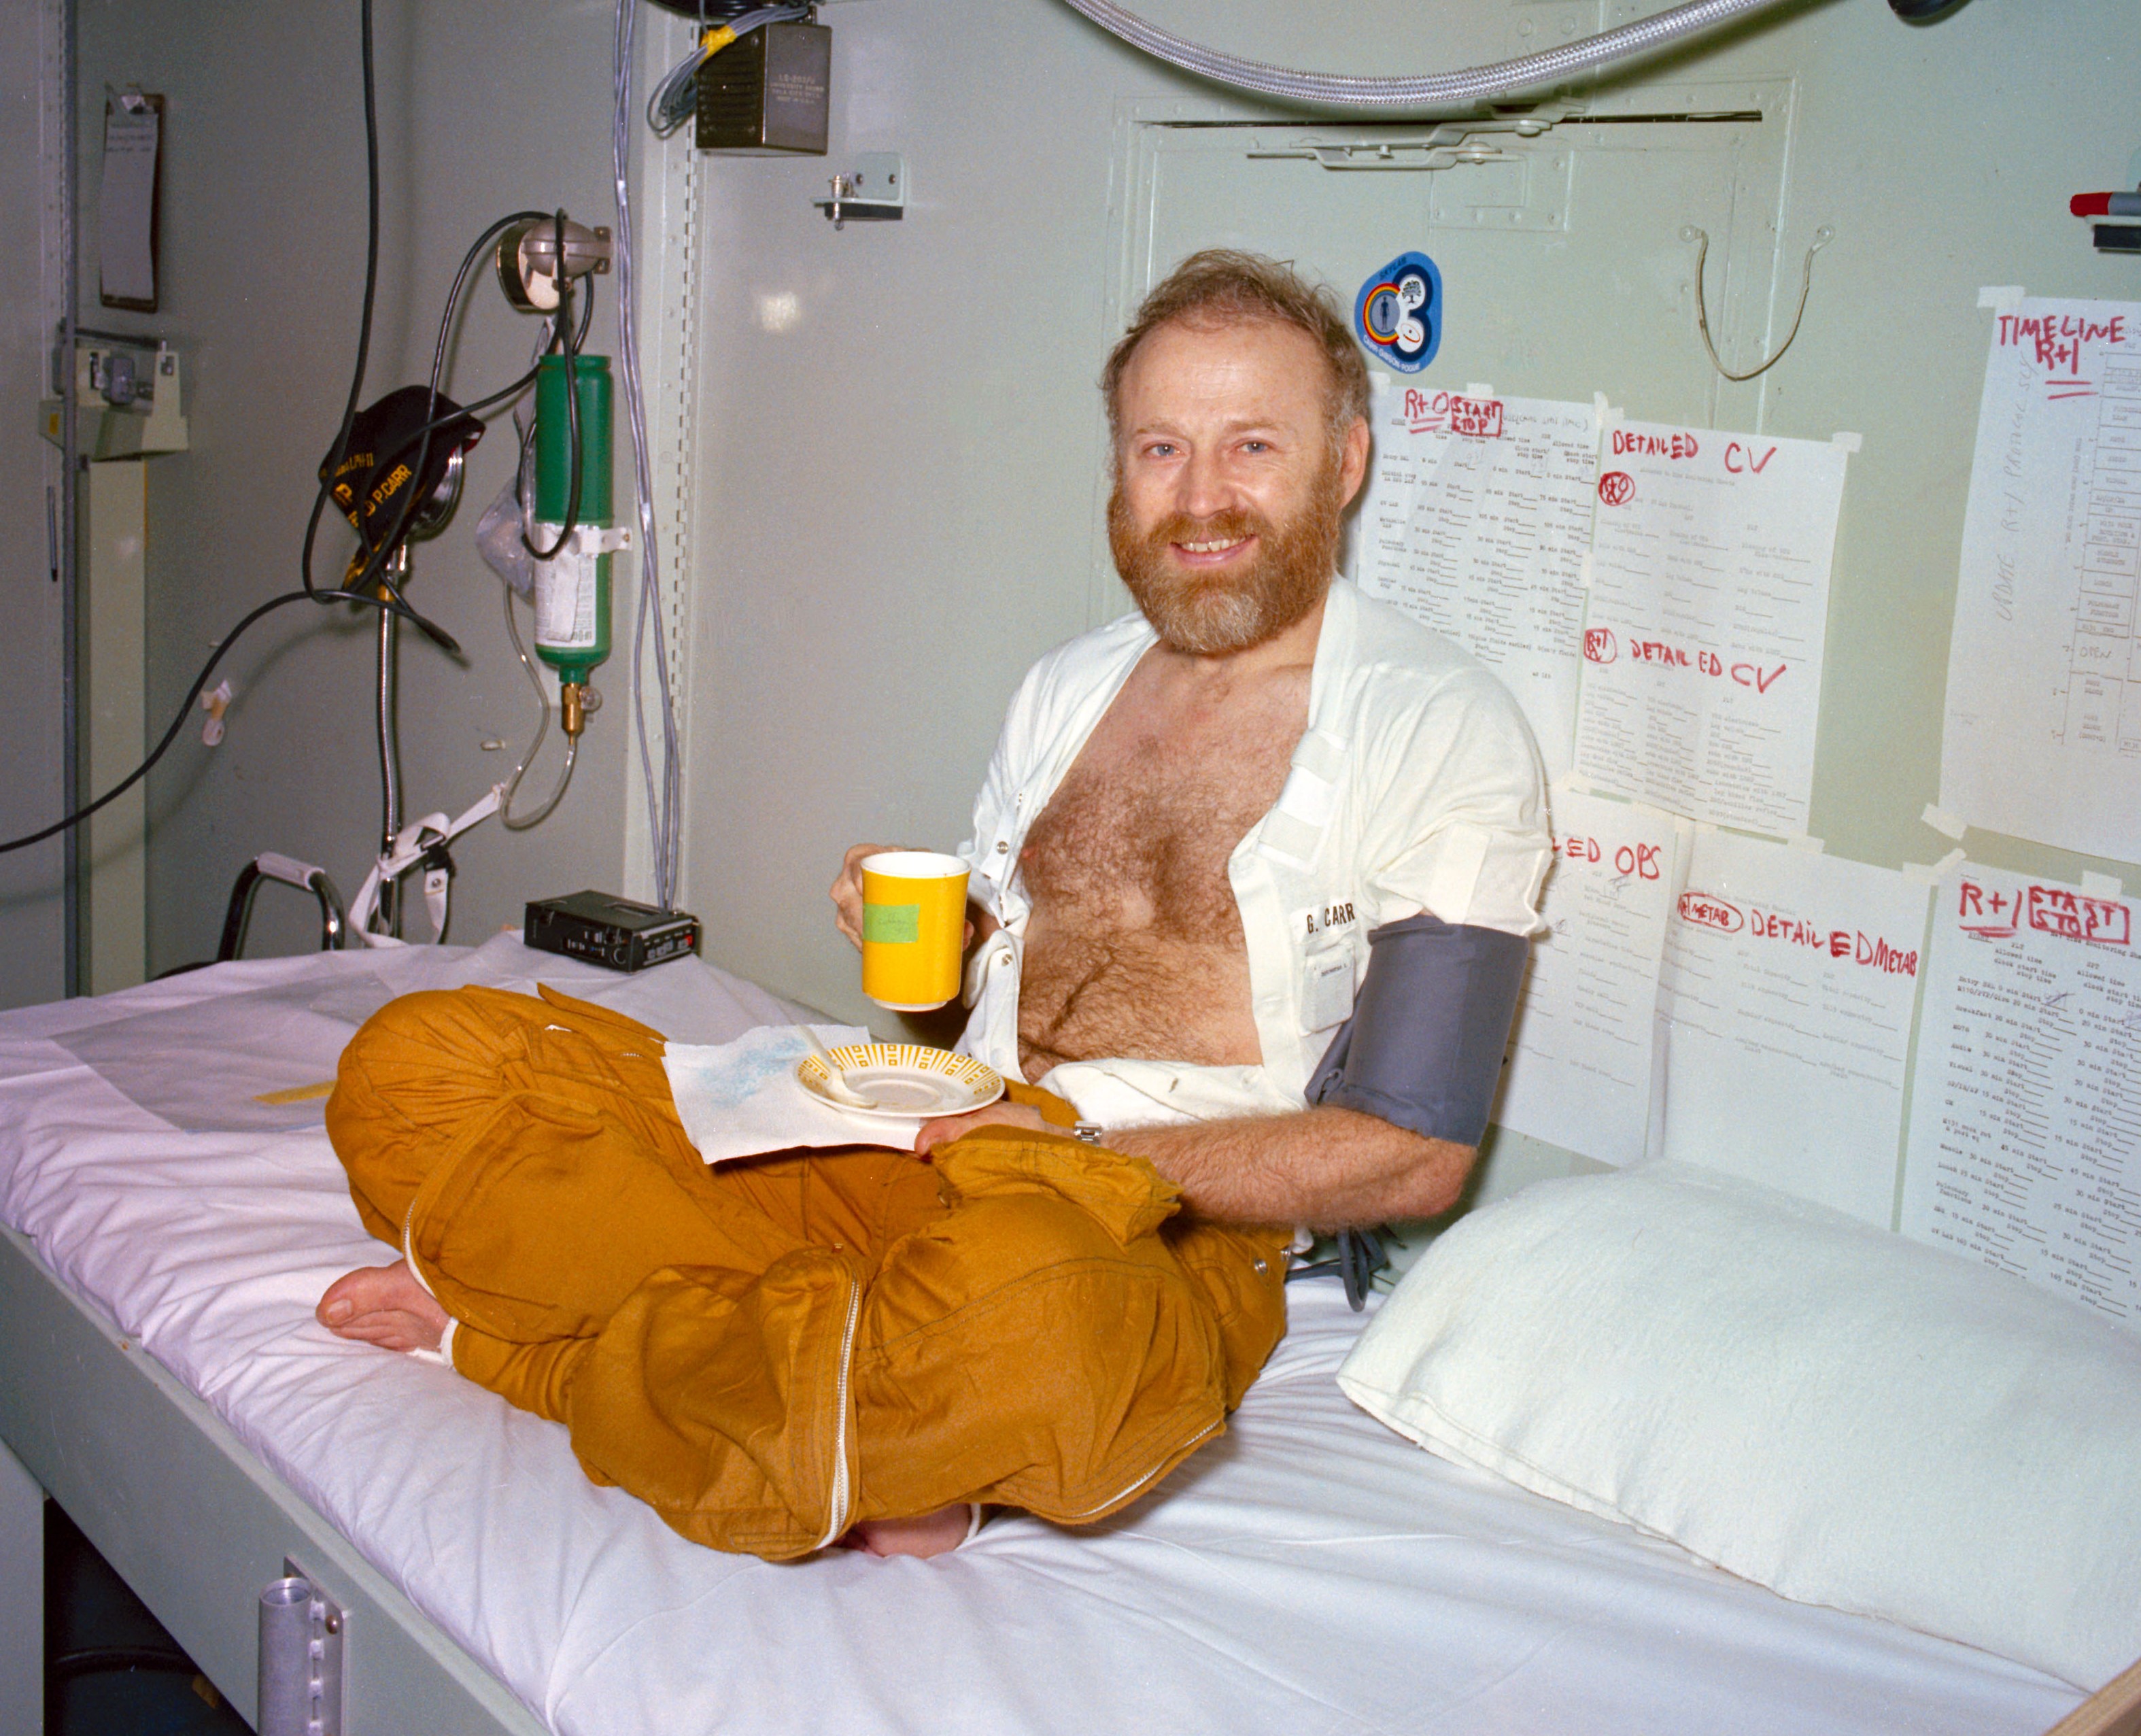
(1137, 1482)
(842, 1496)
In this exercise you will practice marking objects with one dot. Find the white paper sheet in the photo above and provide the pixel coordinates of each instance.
(2042, 732)
(1475, 520)
(1702, 639)
(1790, 983)
(126, 205)
(741, 1098)
(2026, 1107)
(1579, 1071)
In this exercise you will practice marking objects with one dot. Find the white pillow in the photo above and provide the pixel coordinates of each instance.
(1839, 1414)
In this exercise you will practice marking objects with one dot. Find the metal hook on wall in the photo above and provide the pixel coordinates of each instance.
(1691, 232)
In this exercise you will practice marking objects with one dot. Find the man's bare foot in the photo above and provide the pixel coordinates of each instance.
(933, 1534)
(383, 1305)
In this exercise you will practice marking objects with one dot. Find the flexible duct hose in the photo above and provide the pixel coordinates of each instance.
(1433, 90)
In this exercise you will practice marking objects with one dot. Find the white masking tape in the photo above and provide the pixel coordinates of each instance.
(1849, 442)
(1943, 822)
(2103, 885)
(2002, 296)
(1929, 874)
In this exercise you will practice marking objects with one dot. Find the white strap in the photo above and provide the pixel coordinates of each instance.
(410, 843)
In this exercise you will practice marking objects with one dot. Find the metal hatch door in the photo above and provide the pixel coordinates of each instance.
(1558, 232)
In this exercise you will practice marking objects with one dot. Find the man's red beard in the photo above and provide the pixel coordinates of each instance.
(1224, 611)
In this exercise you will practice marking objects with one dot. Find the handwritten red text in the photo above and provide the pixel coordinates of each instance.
(1979, 911)
(1640, 861)
(1699, 661)
(1675, 444)
(1428, 411)
(1852, 945)
(2074, 916)
(1704, 911)
(2057, 338)
(1478, 416)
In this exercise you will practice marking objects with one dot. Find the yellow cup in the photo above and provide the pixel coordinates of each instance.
(914, 928)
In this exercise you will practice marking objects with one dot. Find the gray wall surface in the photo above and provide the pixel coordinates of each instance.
(900, 502)
(896, 472)
(484, 108)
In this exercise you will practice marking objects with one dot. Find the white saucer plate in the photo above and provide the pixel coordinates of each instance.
(904, 1081)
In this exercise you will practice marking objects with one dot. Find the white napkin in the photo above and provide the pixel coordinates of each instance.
(738, 1099)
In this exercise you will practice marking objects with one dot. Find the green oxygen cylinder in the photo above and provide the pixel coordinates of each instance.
(571, 590)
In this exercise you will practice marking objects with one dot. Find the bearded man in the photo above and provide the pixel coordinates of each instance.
(1253, 871)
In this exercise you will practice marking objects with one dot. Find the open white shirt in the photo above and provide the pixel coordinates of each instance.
(1416, 786)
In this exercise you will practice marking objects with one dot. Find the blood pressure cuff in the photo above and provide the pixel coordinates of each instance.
(1424, 1047)
(379, 462)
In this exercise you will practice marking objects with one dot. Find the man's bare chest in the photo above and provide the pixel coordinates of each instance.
(1139, 835)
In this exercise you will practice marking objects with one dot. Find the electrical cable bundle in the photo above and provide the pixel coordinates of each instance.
(675, 99)
(1427, 92)
(664, 806)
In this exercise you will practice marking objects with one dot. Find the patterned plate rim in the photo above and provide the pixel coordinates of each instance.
(977, 1076)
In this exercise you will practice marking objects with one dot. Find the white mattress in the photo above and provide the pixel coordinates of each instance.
(1311, 1572)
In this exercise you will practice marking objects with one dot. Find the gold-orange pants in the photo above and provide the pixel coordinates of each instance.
(770, 1351)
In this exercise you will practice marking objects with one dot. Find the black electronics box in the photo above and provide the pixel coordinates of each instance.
(606, 930)
(768, 92)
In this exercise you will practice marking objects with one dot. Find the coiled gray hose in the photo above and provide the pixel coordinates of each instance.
(1435, 91)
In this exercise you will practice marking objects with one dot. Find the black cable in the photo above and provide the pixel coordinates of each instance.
(385, 460)
(387, 598)
(97, 1660)
(350, 590)
(376, 555)
(391, 603)
(1358, 1256)
(571, 414)
(341, 449)
(186, 710)
(483, 243)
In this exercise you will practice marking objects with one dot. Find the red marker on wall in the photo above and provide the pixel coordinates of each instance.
(2105, 204)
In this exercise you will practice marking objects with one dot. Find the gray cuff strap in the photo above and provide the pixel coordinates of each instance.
(1424, 1047)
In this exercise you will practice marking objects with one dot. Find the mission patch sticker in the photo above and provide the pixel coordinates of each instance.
(1398, 313)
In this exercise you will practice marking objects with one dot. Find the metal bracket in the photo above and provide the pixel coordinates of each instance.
(1445, 146)
(876, 192)
(126, 396)
(588, 542)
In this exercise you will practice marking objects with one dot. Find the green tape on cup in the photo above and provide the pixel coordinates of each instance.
(892, 925)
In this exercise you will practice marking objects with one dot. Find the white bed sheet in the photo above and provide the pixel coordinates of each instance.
(1311, 1572)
